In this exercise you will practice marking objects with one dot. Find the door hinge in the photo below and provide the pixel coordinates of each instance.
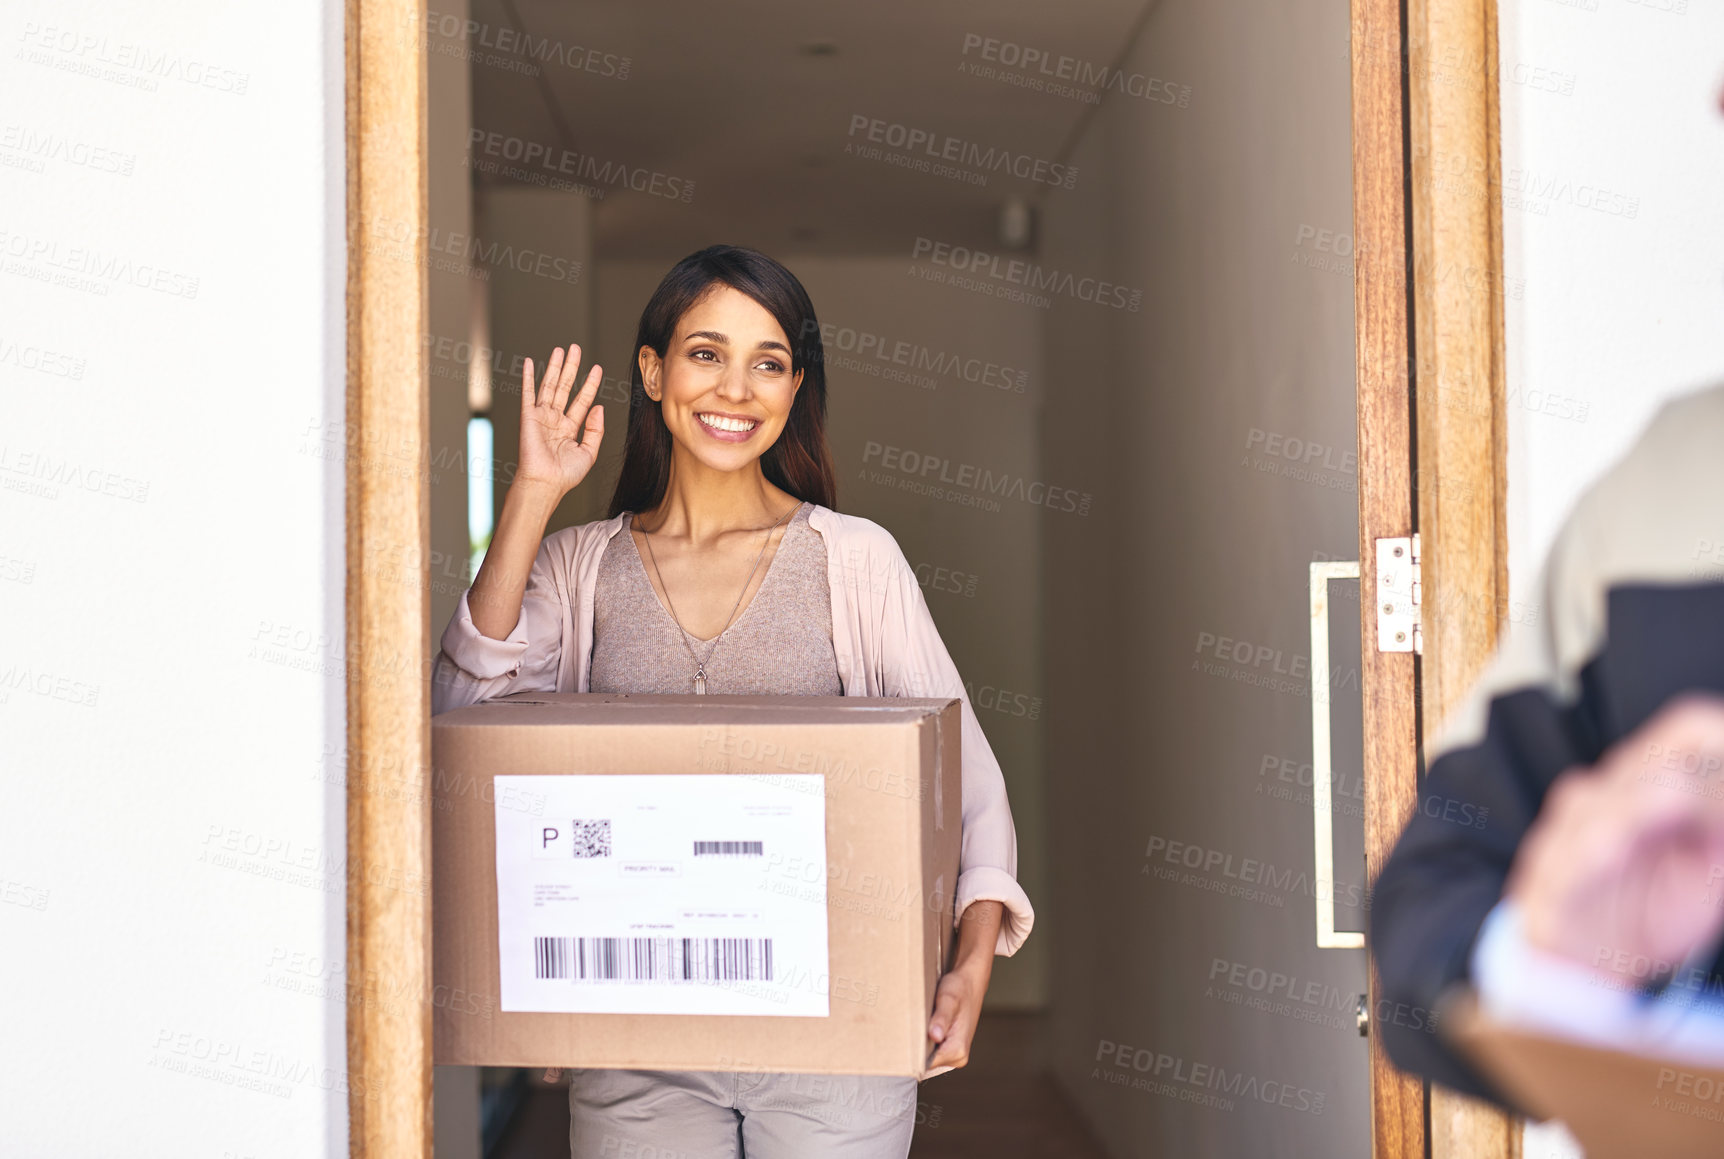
(1398, 627)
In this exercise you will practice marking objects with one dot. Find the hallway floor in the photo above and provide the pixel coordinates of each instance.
(1003, 1103)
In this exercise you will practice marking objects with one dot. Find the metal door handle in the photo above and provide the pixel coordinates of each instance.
(1322, 812)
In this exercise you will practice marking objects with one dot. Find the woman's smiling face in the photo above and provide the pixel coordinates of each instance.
(724, 385)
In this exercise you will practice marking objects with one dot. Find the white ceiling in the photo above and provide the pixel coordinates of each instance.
(730, 98)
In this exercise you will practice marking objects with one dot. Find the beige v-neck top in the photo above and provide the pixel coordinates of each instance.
(884, 639)
(780, 644)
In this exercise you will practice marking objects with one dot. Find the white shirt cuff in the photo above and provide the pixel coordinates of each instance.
(1523, 986)
(481, 655)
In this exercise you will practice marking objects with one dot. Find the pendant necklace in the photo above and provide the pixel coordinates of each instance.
(712, 646)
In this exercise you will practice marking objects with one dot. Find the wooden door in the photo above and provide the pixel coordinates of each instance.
(1427, 230)
(388, 641)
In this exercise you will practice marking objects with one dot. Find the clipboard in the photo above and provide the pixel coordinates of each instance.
(1617, 1104)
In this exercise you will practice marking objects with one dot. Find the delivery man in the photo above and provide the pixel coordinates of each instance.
(1567, 853)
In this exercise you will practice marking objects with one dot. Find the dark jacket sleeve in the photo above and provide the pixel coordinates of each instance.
(1449, 866)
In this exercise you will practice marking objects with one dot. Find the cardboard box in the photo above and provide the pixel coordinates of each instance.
(1618, 1105)
(650, 904)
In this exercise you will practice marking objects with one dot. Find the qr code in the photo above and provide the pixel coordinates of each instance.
(591, 838)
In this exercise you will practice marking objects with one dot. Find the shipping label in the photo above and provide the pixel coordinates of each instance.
(649, 894)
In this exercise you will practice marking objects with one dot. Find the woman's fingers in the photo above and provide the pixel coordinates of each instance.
(954, 1052)
(945, 1012)
(589, 391)
(946, 1028)
(558, 429)
(595, 432)
(566, 378)
(548, 384)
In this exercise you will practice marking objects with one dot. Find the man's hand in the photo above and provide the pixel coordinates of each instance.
(1623, 869)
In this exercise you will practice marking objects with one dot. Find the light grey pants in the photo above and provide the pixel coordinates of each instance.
(642, 1114)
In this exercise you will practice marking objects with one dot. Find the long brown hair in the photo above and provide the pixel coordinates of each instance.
(800, 461)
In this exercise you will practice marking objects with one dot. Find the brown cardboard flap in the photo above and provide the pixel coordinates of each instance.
(648, 708)
(1617, 1104)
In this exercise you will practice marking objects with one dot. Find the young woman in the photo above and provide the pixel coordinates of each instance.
(725, 569)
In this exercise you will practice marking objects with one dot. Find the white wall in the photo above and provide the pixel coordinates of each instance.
(171, 572)
(1613, 237)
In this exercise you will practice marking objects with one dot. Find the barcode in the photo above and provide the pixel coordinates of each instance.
(730, 848)
(654, 959)
(590, 838)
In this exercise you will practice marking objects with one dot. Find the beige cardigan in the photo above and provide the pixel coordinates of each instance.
(882, 633)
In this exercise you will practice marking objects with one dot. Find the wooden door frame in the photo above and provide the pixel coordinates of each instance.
(1382, 318)
(388, 626)
(1458, 390)
(1429, 365)
(1432, 448)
